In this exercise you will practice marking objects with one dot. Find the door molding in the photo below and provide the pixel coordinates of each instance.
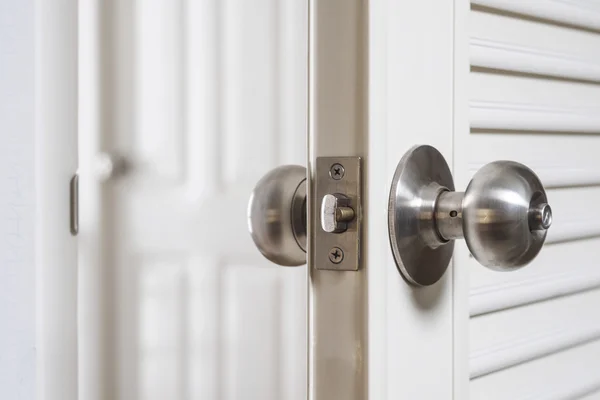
(56, 39)
(338, 118)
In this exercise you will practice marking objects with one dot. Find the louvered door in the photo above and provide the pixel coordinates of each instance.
(485, 81)
(534, 97)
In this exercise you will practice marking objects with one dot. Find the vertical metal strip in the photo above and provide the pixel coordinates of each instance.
(74, 205)
(337, 127)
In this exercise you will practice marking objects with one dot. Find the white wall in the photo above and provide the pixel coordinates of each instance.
(17, 269)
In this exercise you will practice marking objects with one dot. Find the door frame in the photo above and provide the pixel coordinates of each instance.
(56, 107)
(338, 118)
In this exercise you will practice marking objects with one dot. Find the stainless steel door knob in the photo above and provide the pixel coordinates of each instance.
(503, 215)
(108, 166)
(277, 215)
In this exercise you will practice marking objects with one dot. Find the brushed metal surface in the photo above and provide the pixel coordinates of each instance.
(503, 215)
(500, 212)
(277, 215)
(345, 235)
(421, 254)
(74, 205)
(336, 213)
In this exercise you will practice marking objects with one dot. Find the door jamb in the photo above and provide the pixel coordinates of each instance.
(338, 118)
(56, 107)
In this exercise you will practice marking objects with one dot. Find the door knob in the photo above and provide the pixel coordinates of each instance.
(109, 166)
(503, 215)
(277, 215)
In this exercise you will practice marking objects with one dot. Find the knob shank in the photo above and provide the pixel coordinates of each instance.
(449, 215)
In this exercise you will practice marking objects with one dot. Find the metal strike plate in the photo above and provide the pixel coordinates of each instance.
(74, 205)
(338, 251)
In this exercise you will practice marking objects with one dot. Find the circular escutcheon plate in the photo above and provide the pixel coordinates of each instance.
(420, 176)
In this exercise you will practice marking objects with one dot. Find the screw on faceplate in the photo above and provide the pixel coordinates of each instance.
(336, 255)
(337, 171)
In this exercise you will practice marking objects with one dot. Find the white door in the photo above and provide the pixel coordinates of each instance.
(202, 98)
(494, 80)
(198, 99)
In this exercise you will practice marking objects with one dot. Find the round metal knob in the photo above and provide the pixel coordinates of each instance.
(109, 166)
(277, 215)
(503, 215)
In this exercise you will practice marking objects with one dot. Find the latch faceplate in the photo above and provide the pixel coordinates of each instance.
(338, 229)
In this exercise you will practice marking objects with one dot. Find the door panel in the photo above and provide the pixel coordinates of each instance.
(534, 98)
(202, 99)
